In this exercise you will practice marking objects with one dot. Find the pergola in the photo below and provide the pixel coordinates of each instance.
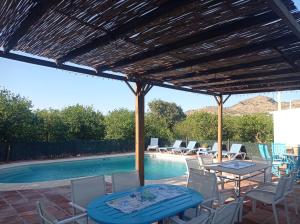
(218, 48)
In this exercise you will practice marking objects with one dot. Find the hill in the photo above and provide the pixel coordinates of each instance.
(259, 104)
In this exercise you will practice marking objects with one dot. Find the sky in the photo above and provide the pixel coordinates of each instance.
(53, 88)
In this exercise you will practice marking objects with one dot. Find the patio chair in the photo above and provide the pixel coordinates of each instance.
(235, 151)
(153, 144)
(125, 181)
(192, 163)
(262, 178)
(212, 151)
(206, 183)
(264, 153)
(271, 198)
(227, 214)
(84, 190)
(176, 145)
(47, 218)
(289, 188)
(190, 148)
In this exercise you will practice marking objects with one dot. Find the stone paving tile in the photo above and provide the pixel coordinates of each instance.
(20, 206)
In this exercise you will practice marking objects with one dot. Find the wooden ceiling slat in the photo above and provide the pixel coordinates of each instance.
(36, 12)
(269, 61)
(243, 76)
(215, 31)
(280, 9)
(264, 90)
(120, 31)
(285, 40)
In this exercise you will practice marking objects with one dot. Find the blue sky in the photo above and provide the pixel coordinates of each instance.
(47, 87)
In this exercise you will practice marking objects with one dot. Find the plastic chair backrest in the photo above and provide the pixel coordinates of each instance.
(264, 152)
(214, 148)
(205, 183)
(84, 190)
(228, 213)
(46, 218)
(235, 148)
(125, 181)
(191, 145)
(281, 187)
(192, 163)
(205, 160)
(154, 142)
(177, 144)
(278, 150)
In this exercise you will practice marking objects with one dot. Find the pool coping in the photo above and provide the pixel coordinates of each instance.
(65, 182)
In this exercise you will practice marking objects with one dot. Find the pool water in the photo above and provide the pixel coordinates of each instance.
(155, 169)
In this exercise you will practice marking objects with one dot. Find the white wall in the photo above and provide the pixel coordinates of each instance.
(287, 126)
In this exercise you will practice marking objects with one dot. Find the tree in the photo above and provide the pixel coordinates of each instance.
(198, 126)
(83, 123)
(171, 112)
(52, 127)
(120, 124)
(157, 127)
(17, 122)
(255, 128)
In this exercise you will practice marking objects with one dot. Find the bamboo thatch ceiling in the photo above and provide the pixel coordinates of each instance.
(205, 46)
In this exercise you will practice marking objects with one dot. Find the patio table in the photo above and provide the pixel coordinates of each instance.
(101, 212)
(239, 174)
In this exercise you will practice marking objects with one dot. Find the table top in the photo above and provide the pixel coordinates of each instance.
(241, 171)
(100, 212)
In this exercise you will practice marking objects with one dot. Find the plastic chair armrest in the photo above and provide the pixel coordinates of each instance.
(77, 207)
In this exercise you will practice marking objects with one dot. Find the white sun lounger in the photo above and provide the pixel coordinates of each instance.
(176, 145)
(153, 144)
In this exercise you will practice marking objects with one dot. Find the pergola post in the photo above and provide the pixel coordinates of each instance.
(139, 130)
(220, 128)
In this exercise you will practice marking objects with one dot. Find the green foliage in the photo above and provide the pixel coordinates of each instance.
(17, 122)
(157, 127)
(255, 128)
(120, 124)
(51, 126)
(198, 126)
(171, 112)
(83, 123)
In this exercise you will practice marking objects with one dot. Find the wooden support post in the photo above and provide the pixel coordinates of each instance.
(220, 118)
(139, 130)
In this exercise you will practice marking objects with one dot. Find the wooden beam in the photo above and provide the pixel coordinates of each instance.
(220, 128)
(267, 80)
(70, 68)
(230, 68)
(240, 77)
(204, 35)
(281, 10)
(265, 90)
(124, 29)
(34, 15)
(258, 88)
(139, 131)
(287, 39)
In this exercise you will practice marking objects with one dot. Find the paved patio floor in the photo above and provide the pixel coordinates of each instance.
(20, 206)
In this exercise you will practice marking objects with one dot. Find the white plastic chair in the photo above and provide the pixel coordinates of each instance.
(192, 163)
(47, 218)
(153, 144)
(226, 214)
(84, 190)
(234, 152)
(125, 181)
(176, 145)
(271, 198)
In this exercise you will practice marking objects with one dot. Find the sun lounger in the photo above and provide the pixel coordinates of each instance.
(235, 151)
(176, 145)
(191, 148)
(153, 144)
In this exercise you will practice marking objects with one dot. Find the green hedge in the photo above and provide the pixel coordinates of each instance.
(49, 150)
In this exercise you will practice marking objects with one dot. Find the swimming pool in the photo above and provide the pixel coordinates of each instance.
(155, 169)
